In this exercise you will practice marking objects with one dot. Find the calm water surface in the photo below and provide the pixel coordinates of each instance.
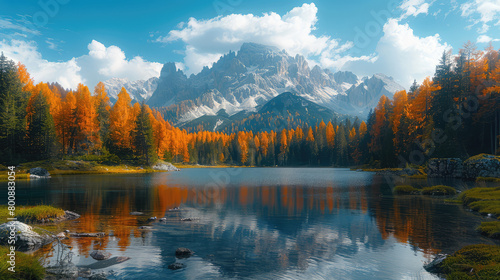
(257, 223)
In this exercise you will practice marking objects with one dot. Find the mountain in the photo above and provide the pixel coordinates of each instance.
(245, 80)
(139, 91)
(286, 110)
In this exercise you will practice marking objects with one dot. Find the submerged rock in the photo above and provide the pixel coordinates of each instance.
(38, 173)
(86, 234)
(145, 227)
(183, 253)
(151, 219)
(100, 255)
(435, 265)
(165, 166)
(176, 266)
(26, 238)
(106, 263)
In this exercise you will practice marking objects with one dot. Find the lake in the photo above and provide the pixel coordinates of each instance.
(257, 223)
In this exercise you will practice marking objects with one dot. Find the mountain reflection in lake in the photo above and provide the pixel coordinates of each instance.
(256, 223)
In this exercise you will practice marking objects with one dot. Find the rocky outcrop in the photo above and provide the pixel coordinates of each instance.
(482, 166)
(38, 173)
(445, 168)
(26, 238)
(399, 172)
(165, 166)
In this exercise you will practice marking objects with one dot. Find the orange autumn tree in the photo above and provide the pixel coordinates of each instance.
(85, 116)
(121, 123)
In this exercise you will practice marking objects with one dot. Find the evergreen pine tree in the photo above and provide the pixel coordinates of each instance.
(13, 103)
(143, 137)
(40, 134)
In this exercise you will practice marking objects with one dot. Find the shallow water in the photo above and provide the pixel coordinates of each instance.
(257, 223)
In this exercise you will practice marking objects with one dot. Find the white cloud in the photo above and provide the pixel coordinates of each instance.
(65, 73)
(100, 64)
(207, 40)
(482, 12)
(103, 63)
(486, 39)
(402, 55)
(22, 25)
(52, 44)
(414, 8)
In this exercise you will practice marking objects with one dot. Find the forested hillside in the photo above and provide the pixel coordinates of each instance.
(456, 113)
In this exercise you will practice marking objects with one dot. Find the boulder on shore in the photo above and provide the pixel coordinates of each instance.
(445, 167)
(26, 238)
(482, 165)
(165, 166)
(38, 173)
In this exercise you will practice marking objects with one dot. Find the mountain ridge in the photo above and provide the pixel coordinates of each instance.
(245, 80)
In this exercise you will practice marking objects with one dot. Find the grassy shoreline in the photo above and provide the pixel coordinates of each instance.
(75, 167)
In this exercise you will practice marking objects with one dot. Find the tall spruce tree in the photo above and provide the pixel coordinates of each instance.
(40, 132)
(143, 137)
(13, 103)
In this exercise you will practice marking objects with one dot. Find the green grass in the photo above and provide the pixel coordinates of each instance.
(490, 229)
(419, 176)
(27, 267)
(405, 190)
(19, 176)
(482, 200)
(439, 190)
(473, 262)
(486, 207)
(453, 201)
(76, 167)
(32, 214)
(487, 179)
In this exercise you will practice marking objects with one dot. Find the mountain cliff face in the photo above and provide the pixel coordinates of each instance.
(256, 74)
(138, 90)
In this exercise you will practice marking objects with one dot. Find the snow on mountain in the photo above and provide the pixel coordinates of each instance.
(139, 91)
(256, 74)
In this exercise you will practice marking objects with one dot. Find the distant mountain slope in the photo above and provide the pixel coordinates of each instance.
(245, 80)
(139, 91)
(287, 110)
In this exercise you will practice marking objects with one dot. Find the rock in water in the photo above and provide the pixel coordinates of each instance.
(26, 238)
(100, 255)
(435, 265)
(176, 266)
(38, 172)
(165, 166)
(183, 253)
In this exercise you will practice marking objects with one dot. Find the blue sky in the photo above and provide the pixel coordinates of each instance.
(73, 41)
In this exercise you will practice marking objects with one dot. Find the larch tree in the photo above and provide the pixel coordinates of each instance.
(121, 124)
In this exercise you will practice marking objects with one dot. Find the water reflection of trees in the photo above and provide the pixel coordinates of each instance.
(290, 211)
